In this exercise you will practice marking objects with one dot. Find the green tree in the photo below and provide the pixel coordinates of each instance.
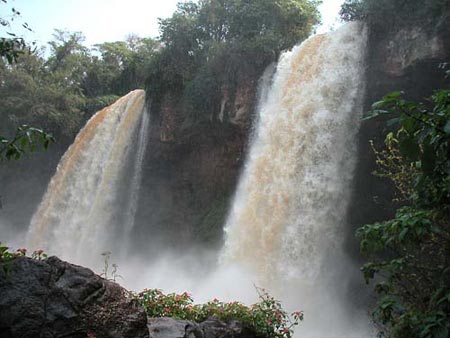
(215, 44)
(34, 94)
(121, 66)
(382, 13)
(411, 252)
(25, 137)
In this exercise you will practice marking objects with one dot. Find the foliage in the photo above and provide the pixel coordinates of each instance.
(59, 92)
(386, 12)
(26, 138)
(411, 252)
(266, 317)
(211, 46)
(6, 256)
(12, 46)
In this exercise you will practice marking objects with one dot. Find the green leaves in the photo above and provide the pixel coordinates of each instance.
(409, 253)
(423, 139)
(26, 139)
(447, 127)
(267, 317)
(213, 46)
(12, 48)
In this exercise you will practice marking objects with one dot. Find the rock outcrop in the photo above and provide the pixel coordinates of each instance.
(52, 298)
(404, 56)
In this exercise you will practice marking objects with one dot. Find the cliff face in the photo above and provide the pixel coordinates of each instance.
(190, 173)
(408, 57)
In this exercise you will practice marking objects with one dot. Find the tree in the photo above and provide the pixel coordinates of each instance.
(216, 44)
(121, 67)
(384, 13)
(25, 137)
(411, 252)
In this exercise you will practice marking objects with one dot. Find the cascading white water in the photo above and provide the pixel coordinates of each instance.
(87, 203)
(285, 229)
(135, 183)
(288, 216)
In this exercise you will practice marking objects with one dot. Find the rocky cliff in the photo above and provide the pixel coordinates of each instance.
(409, 56)
(191, 172)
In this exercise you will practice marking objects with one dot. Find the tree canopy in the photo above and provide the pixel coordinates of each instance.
(215, 44)
(384, 13)
(59, 91)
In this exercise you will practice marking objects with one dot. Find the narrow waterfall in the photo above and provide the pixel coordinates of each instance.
(135, 182)
(287, 220)
(91, 200)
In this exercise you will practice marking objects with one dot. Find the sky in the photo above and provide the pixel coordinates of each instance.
(108, 20)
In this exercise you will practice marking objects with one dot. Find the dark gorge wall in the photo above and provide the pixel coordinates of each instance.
(191, 172)
(410, 56)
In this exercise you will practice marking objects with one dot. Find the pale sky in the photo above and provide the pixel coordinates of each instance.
(108, 20)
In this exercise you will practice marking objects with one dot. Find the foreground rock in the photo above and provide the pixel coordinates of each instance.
(52, 298)
(211, 328)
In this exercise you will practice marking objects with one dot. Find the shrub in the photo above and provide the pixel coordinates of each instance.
(267, 317)
(410, 253)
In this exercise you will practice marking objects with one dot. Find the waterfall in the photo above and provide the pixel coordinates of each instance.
(135, 182)
(91, 200)
(287, 220)
(285, 229)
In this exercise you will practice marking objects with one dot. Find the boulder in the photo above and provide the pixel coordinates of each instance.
(210, 328)
(52, 298)
(173, 328)
(214, 328)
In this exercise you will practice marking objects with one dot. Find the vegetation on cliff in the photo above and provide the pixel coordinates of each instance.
(410, 254)
(212, 47)
(205, 50)
(59, 91)
(386, 13)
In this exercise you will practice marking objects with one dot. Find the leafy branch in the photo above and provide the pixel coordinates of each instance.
(25, 139)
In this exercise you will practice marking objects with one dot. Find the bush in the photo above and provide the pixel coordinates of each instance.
(267, 317)
(411, 252)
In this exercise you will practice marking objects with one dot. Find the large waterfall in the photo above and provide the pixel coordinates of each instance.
(90, 202)
(288, 217)
(285, 229)
(292, 198)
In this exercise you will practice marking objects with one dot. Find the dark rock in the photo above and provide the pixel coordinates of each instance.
(173, 328)
(52, 298)
(210, 328)
(214, 328)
